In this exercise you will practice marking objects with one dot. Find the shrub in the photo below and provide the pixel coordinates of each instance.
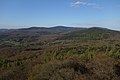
(117, 54)
(66, 70)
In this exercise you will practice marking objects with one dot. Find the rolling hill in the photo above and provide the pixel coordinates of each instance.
(94, 33)
(59, 53)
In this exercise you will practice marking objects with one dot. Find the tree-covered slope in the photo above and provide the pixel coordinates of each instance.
(94, 33)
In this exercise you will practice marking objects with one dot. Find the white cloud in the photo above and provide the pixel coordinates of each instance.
(79, 4)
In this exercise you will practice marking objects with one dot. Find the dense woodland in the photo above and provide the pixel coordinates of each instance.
(59, 53)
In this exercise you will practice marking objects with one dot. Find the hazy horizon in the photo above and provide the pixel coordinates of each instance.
(19, 27)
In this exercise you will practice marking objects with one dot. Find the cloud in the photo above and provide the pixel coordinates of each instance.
(79, 4)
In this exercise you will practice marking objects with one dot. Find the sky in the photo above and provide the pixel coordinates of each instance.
(48, 13)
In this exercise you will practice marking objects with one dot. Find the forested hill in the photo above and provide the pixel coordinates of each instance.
(69, 32)
(59, 53)
(35, 31)
(94, 33)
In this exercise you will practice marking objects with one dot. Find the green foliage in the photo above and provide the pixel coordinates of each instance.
(113, 52)
(46, 60)
(82, 56)
(45, 51)
(66, 53)
(4, 64)
(90, 55)
(17, 62)
(117, 54)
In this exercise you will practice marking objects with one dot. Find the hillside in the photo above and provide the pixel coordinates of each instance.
(94, 33)
(59, 53)
(34, 32)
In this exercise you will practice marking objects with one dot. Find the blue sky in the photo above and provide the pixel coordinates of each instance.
(78, 13)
